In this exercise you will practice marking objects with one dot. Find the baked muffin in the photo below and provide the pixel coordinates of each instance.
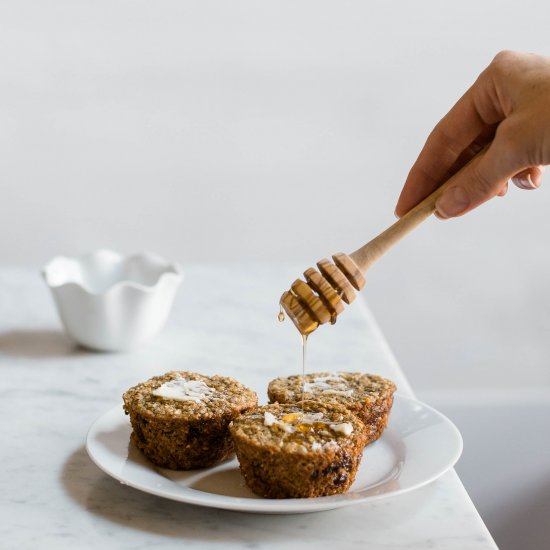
(368, 396)
(286, 451)
(180, 419)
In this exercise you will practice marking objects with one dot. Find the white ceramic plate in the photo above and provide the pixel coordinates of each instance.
(418, 446)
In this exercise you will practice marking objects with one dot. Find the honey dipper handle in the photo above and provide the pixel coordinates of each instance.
(370, 253)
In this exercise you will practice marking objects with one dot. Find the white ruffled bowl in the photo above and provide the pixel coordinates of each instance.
(110, 302)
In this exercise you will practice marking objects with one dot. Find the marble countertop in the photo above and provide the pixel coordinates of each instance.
(224, 321)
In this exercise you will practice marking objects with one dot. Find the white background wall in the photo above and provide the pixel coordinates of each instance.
(283, 131)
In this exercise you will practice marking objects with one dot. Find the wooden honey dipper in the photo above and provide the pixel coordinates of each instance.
(320, 298)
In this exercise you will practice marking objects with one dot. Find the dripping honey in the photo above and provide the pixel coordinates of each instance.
(304, 349)
(303, 335)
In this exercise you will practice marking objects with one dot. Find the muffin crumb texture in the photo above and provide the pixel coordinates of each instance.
(180, 419)
(308, 449)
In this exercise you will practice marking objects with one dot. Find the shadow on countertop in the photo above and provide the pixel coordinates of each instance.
(38, 344)
(103, 496)
(108, 499)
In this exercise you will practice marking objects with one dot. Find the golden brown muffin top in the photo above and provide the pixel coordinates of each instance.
(340, 387)
(300, 427)
(189, 395)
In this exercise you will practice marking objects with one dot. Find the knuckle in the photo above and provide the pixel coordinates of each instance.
(483, 186)
(504, 56)
(445, 142)
(507, 137)
(503, 64)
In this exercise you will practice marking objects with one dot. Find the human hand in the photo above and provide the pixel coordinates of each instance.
(508, 106)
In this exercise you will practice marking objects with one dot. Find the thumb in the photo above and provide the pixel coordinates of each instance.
(480, 180)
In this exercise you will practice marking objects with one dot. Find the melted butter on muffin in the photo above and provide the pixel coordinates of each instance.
(328, 385)
(183, 389)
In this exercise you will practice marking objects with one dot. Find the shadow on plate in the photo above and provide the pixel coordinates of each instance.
(224, 479)
(38, 344)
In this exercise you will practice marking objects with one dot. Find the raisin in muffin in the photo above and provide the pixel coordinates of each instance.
(180, 419)
(368, 396)
(286, 451)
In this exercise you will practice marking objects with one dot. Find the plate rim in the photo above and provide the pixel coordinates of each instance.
(274, 506)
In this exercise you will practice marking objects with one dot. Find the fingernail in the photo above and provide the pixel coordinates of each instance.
(395, 213)
(524, 182)
(452, 203)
